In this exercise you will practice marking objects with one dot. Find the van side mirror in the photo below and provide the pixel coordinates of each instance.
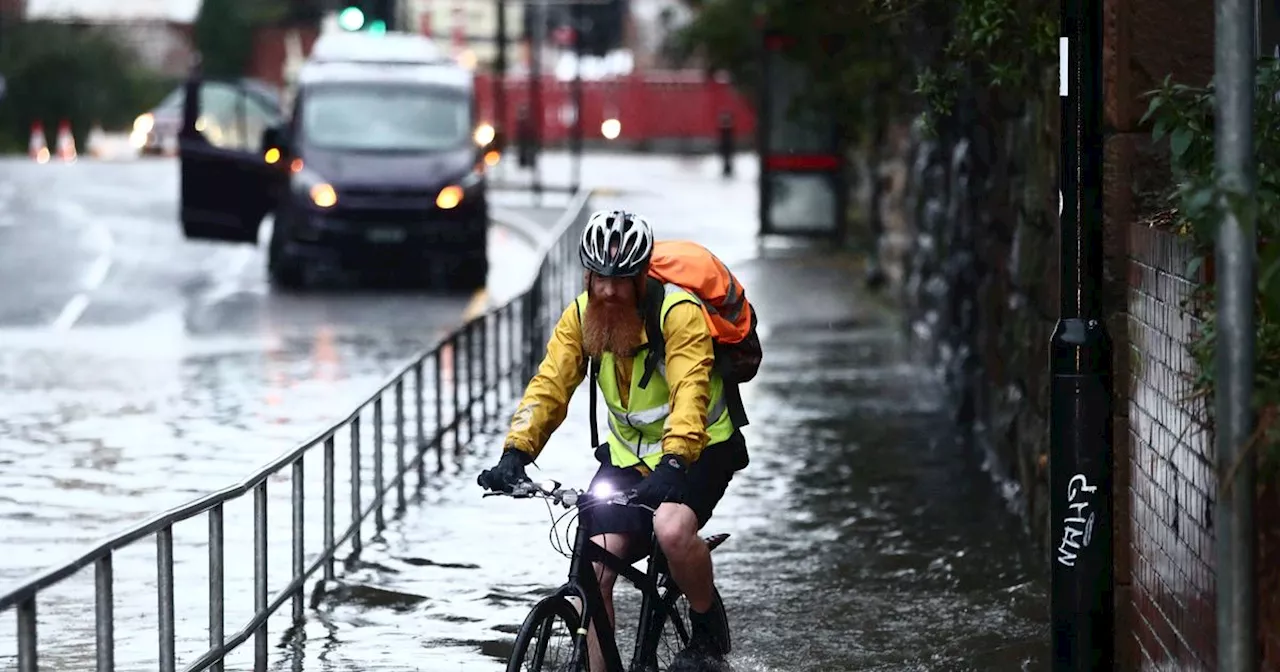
(275, 137)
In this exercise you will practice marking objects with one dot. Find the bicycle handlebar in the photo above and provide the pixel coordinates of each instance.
(566, 497)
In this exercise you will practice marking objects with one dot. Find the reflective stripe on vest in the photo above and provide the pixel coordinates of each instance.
(635, 432)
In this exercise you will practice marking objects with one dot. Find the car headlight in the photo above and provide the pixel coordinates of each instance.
(321, 193)
(452, 196)
(144, 123)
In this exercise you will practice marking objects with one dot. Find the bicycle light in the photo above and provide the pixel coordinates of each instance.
(602, 490)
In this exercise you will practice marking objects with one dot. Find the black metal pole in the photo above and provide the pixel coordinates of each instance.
(1080, 432)
(537, 115)
(1237, 612)
(500, 77)
(726, 144)
(580, 28)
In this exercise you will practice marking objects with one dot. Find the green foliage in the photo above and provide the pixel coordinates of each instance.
(999, 44)
(1184, 115)
(882, 52)
(56, 72)
(850, 48)
(223, 34)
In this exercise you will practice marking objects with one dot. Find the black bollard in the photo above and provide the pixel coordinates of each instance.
(726, 143)
(524, 138)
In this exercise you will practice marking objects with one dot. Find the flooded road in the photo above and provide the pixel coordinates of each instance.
(864, 537)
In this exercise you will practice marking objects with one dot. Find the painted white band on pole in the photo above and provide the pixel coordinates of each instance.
(1064, 48)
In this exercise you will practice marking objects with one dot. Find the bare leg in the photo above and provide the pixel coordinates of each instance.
(676, 527)
(619, 545)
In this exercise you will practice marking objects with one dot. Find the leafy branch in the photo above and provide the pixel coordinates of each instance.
(1184, 116)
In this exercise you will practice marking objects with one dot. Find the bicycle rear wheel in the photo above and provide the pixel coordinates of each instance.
(545, 641)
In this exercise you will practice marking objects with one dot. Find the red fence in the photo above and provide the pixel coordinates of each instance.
(651, 107)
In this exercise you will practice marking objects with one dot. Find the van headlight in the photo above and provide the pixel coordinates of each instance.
(322, 194)
(452, 196)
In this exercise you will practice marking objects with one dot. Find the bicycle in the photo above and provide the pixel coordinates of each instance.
(659, 614)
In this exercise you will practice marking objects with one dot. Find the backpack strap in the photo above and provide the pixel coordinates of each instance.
(655, 294)
(594, 375)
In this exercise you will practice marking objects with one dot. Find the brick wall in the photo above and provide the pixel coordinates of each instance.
(1170, 475)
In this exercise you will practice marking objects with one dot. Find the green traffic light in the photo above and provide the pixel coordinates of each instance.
(377, 27)
(351, 18)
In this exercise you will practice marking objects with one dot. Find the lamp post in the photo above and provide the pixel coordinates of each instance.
(1080, 430)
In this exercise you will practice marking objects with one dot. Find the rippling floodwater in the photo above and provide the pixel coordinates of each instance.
(863, 539)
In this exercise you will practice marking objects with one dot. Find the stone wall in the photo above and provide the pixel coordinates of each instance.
(979, 278)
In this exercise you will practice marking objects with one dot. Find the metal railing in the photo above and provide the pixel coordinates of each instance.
(473, 369)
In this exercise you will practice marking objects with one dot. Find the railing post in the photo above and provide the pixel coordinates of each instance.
(379, 522)
(469, 333)
(512, 373)
(217, 616)
(356, 544)
(329, 504)
(164, 594)
(27, 649)
(457, 406)
(420, 416)
(484, 370)
(400, 466)
(299, 528)
(439, 401)
(104, 613)
(260, 573)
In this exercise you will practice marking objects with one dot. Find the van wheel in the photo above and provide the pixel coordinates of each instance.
(283, 272)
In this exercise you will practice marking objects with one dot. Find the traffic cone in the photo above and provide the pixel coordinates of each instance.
(96, 142)
(66, 147)
(38, 147)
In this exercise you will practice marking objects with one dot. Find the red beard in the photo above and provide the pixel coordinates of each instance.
(611, 326)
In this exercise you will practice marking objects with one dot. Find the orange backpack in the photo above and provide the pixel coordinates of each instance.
(730, 317)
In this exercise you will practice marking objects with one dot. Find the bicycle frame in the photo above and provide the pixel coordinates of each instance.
(583, 585)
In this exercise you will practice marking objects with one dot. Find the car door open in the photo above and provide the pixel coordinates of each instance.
(227, 186)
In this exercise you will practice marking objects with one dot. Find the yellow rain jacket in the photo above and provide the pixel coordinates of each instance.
(688, 374)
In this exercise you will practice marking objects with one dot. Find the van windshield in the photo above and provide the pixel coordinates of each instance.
(381, 118)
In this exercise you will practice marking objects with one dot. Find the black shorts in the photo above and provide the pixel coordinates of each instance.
(708, 479)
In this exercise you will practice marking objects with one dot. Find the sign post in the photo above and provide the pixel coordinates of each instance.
(1080, 431)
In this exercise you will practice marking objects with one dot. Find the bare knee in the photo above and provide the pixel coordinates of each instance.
(676, 527)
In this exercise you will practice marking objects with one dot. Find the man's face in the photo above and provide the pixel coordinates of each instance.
(619, 291)
(612, 321)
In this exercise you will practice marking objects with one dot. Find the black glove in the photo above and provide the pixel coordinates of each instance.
(667, 483)
(508, 472)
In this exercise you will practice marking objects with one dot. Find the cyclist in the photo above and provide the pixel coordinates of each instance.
(663, 441)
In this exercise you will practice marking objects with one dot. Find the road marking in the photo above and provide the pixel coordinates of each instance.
(71, 312)
(476, 307)
(98, 270)
(523, 226)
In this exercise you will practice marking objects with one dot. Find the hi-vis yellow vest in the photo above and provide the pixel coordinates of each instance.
(635, 432)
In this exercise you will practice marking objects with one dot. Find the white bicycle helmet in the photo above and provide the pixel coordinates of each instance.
(616, 243)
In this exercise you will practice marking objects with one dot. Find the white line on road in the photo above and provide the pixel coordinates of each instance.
(526, 228)
(101, 238)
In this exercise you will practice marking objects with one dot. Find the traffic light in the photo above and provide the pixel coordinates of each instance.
(374, 16)
(351, 18)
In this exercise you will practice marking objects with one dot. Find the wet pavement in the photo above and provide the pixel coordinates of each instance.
(856, 493)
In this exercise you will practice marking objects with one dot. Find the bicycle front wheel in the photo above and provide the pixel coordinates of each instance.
(545, 641)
